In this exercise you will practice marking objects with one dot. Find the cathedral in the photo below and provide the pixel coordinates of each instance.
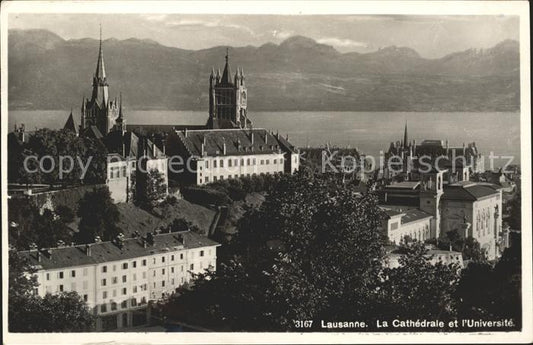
(101, 111)
(227, 99)
(103, 119)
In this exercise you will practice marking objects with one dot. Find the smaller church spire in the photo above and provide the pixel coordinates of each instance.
(405, 137)
(120, 106)
(100, 67)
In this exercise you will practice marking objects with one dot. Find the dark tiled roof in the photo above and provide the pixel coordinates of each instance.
(64, 257)
(414, 215)
(470, 192)
(237, 141)
(164, 128)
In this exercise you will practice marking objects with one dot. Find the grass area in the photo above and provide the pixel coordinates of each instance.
(135, 219)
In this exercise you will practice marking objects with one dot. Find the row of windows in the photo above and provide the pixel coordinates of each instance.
(115, 172)
(221, 177)
(72, 274)
(243, 162)
(123, 304)
(125, 265)
(143, 262)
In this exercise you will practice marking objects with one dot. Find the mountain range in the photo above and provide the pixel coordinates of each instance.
(49, 72)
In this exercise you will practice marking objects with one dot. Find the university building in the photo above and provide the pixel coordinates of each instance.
(414, 207)
(117, 279)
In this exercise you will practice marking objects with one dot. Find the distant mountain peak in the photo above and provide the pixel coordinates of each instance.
(397, 51)
(299, 41)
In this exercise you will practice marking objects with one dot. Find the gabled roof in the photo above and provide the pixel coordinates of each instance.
(102, 252)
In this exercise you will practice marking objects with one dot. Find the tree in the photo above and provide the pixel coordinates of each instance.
(98, 216)
(515, 214)
(311, 251)
(65, 213)
(29, 226)
(418, 288)
(492, 292)
(64, 312)
(56, 143)
(472, 250)
(153, 191)
(28, 312)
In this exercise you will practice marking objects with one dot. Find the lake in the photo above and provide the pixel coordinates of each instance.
(370, 132)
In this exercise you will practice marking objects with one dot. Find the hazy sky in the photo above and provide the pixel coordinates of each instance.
(430, 36)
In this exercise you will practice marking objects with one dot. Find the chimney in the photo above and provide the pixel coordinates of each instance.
(224, 146)
(266, 137)
(252, 138)
(203, 149)
(124, 149)
(181, 239)
(39, 258)
(88, 249)
(144, 243)
(185, 132)
(164, 149)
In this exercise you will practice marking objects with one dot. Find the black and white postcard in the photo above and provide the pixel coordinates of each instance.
(237, 172)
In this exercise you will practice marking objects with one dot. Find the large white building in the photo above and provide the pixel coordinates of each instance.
(218, 154)
(473, 209)
(117, 279)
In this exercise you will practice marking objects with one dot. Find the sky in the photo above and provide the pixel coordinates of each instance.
(431, 36)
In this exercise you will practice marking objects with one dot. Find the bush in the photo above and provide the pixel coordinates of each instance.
(205, 196)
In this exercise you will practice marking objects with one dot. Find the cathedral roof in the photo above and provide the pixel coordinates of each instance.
(226, 75)
(70, 124)
(93, 132)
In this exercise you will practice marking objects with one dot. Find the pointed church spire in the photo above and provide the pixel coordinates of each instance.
(405, 141)
(226, 75)
(100, 67)
(120, 106)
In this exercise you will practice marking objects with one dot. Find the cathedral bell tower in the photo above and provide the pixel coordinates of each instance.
(228, 99)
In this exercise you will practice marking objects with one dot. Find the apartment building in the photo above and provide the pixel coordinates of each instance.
(117, 279)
